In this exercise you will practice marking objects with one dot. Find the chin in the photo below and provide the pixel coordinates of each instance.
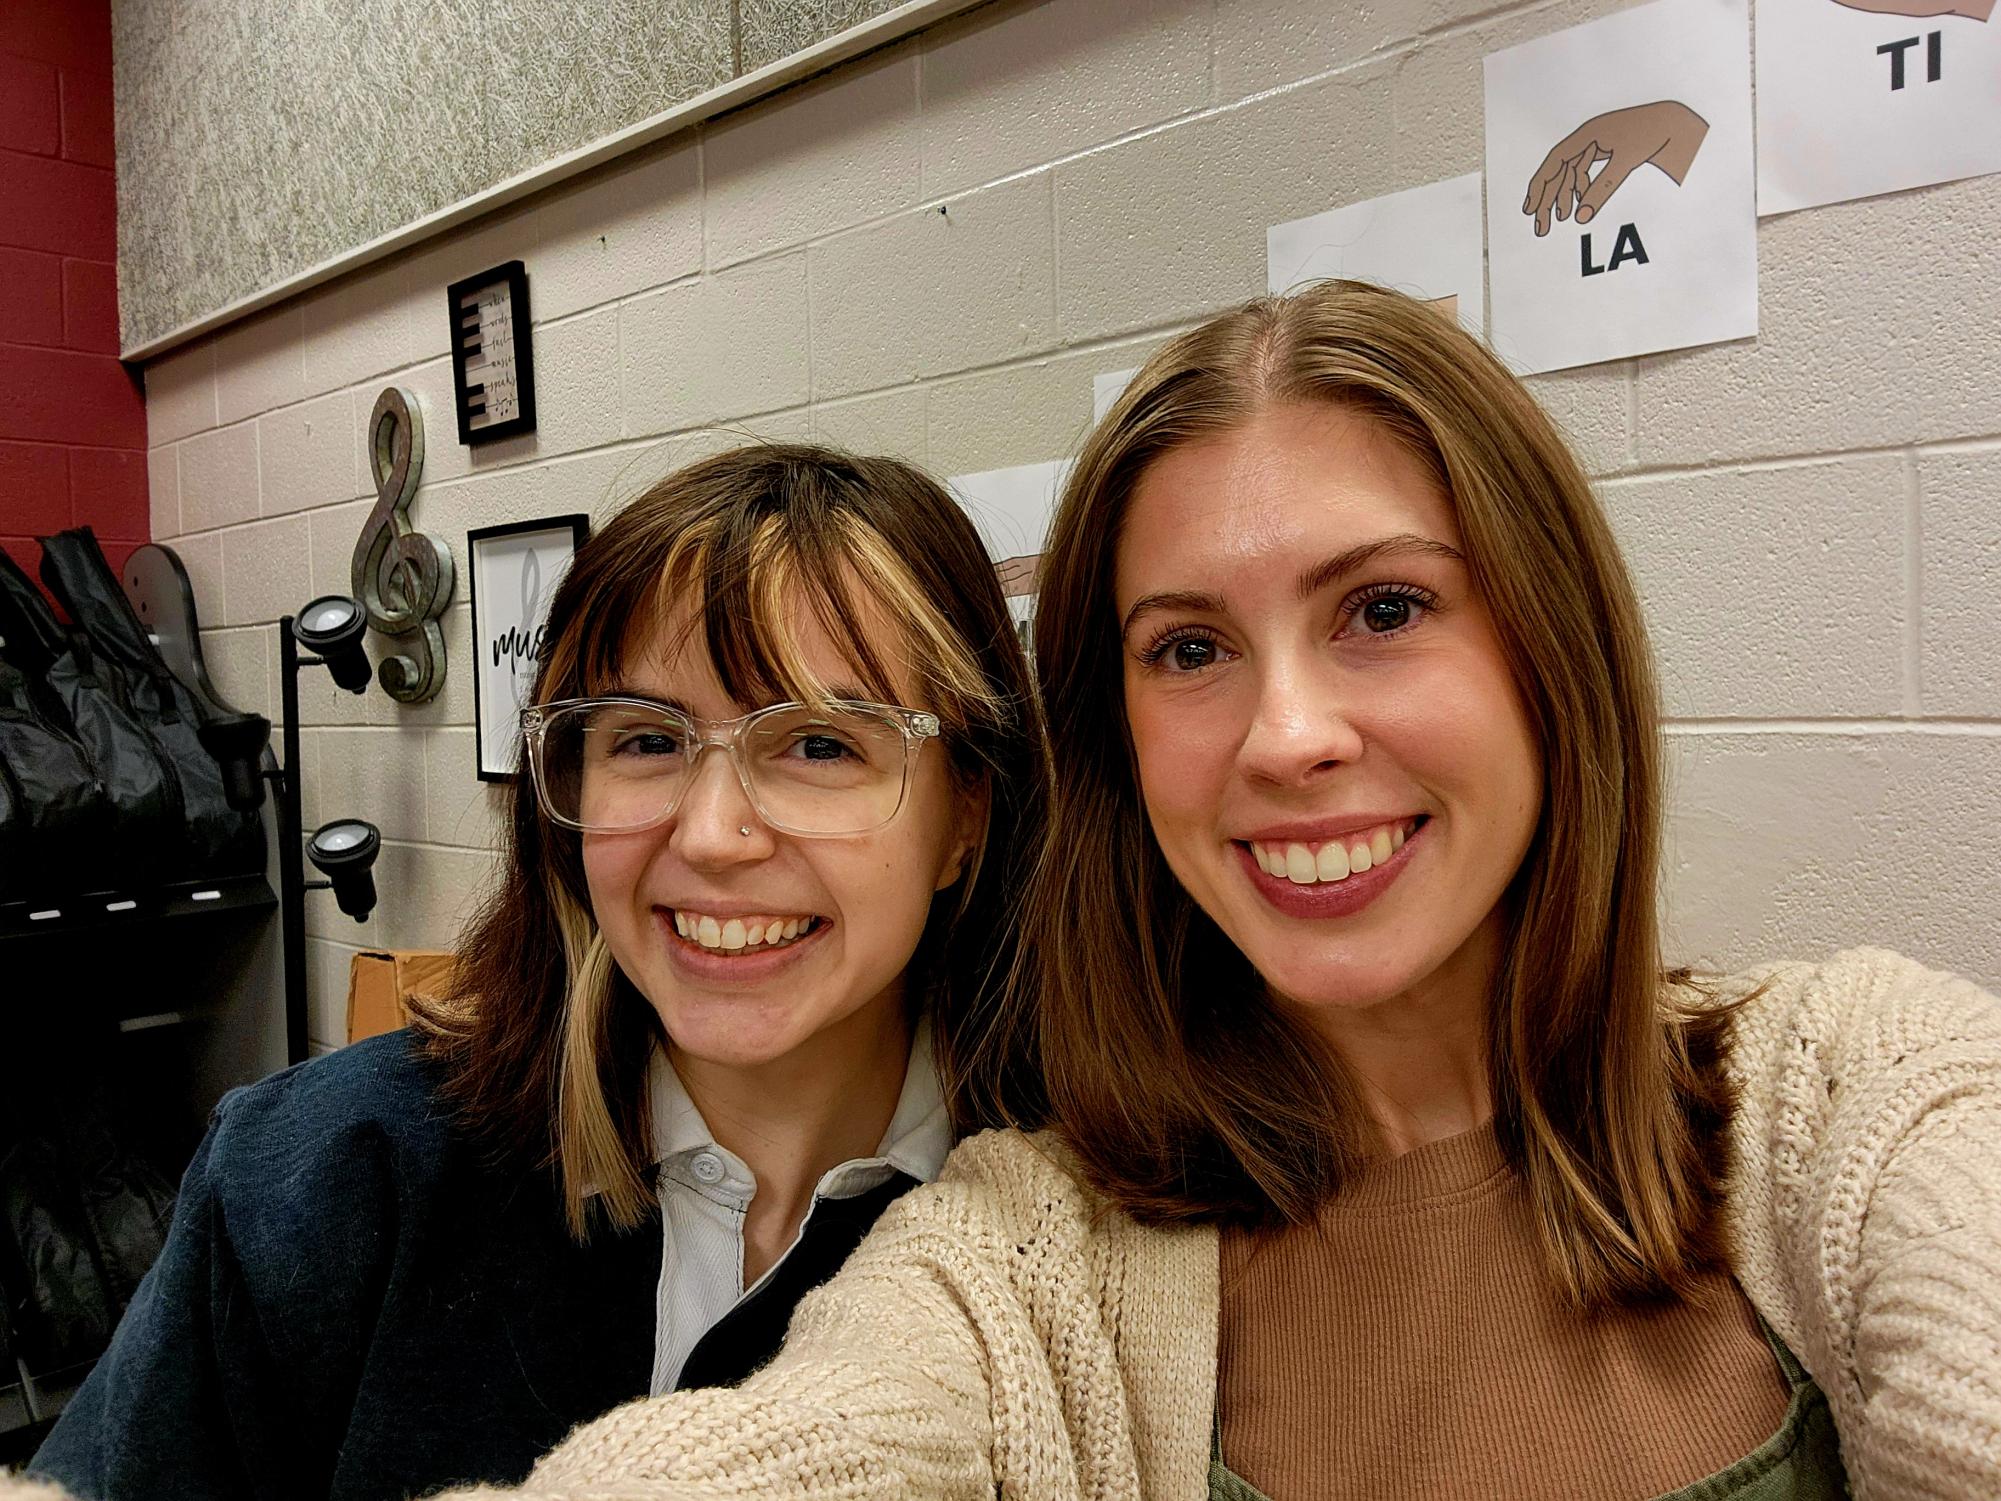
(1336, 983)
(732, 1034)
(1325, 971)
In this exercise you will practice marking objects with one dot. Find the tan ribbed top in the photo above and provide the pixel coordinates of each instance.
(1411, 1344)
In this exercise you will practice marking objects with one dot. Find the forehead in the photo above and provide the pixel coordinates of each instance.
(1298, 483)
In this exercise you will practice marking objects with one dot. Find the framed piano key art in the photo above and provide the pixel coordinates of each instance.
(493, 354)
(515, 570)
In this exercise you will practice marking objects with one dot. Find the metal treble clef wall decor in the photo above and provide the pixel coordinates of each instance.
(402, 577)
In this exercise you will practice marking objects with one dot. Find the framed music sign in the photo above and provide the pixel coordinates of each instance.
(493, 354)
(515, 570)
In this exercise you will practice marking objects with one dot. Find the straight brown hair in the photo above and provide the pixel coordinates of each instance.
(544, 1042)
(1187, 1094)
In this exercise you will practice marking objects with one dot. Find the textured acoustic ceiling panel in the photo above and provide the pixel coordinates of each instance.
(257, 141)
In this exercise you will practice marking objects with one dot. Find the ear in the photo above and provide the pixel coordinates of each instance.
(970, 808)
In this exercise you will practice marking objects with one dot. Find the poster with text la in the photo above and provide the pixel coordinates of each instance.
(1858, 97)
(1621, 216)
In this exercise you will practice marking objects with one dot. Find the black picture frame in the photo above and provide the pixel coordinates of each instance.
(515, 632)
(514, 275)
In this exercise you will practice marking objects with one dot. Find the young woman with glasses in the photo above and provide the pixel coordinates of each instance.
(754, 906)
(1388, 1157)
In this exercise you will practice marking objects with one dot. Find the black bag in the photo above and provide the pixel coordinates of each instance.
(216, 838)
(143, 791)
(54, 812)
(81, 1220)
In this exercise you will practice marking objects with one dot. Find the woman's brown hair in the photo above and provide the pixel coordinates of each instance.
(544, 1042)
(1187, 1093)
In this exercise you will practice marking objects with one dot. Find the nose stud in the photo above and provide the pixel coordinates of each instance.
(744, 829)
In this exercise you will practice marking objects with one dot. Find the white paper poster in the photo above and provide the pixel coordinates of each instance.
(1857, 97)
(1012, 509)
(1108, 388)
(1621, 216)
(1425, 241)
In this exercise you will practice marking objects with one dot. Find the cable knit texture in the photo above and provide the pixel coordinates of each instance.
(1003, 1332)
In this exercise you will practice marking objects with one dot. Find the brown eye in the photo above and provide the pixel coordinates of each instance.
(1384, 615)
(1190, 656)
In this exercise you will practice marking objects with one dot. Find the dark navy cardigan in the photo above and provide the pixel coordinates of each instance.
(354, 1304)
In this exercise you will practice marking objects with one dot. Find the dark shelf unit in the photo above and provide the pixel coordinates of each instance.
(121, 910)
(147, 981)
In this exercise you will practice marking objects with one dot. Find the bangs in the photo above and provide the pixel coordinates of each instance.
(737, 584)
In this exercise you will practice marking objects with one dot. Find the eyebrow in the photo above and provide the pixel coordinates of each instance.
(1310, 581)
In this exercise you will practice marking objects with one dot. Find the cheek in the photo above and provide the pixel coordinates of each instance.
(1183, 753)
(612, 869)
(882, 896)
(884, 885)
(1476, 738)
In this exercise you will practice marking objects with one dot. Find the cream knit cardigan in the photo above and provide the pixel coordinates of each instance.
(1003, 1333)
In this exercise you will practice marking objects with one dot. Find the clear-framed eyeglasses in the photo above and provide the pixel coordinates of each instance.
(614, 765)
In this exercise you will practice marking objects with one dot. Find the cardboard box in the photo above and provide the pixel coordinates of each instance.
(377, 984)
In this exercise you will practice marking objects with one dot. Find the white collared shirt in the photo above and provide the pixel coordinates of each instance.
(705, 1191)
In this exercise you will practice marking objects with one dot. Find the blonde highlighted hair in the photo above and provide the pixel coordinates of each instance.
(1186, 1092)
(544, 1041)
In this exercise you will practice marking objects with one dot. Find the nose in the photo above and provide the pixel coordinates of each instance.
(714, 812)
(1303, 726)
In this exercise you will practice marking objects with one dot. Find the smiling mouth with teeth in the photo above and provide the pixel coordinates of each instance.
(1336, 859)
(733, 935)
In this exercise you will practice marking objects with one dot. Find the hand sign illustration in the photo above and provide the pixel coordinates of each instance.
(1666, 133)
(1975, 10)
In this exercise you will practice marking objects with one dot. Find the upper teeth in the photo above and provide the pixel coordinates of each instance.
(1336, 860)
(738, 932)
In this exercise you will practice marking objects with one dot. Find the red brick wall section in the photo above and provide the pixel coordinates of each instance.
(72, 418)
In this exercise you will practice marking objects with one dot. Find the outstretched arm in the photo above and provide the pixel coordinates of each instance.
(880, 1392)
(1925, 1273)
(952, 1357)
(1868, 1206)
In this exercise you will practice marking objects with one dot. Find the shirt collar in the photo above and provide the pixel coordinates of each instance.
(917, 1142)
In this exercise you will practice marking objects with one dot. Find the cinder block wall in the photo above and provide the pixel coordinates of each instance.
(1815, 516)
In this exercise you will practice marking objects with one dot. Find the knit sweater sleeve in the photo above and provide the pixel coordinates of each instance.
(922, 1369)
(1868, 1209)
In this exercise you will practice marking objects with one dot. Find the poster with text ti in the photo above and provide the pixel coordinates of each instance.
(1425, 241)
(1621, 216)
(1858, 97)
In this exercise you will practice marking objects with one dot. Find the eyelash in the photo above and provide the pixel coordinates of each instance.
(1361, 599)
(1167, 640)
(1426, 601)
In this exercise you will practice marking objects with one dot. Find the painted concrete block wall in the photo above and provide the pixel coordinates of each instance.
(1814, 515)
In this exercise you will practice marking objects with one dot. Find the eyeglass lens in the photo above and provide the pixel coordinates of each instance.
(833, 770)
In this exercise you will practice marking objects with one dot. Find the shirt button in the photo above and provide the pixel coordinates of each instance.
(708, 1167)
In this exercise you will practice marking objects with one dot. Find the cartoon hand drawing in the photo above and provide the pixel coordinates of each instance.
(1019, 576)
(1666, 133)
(1974, 10)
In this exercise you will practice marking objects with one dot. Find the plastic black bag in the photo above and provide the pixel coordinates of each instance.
(54, 812)
(143, 791)
(219, 839)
